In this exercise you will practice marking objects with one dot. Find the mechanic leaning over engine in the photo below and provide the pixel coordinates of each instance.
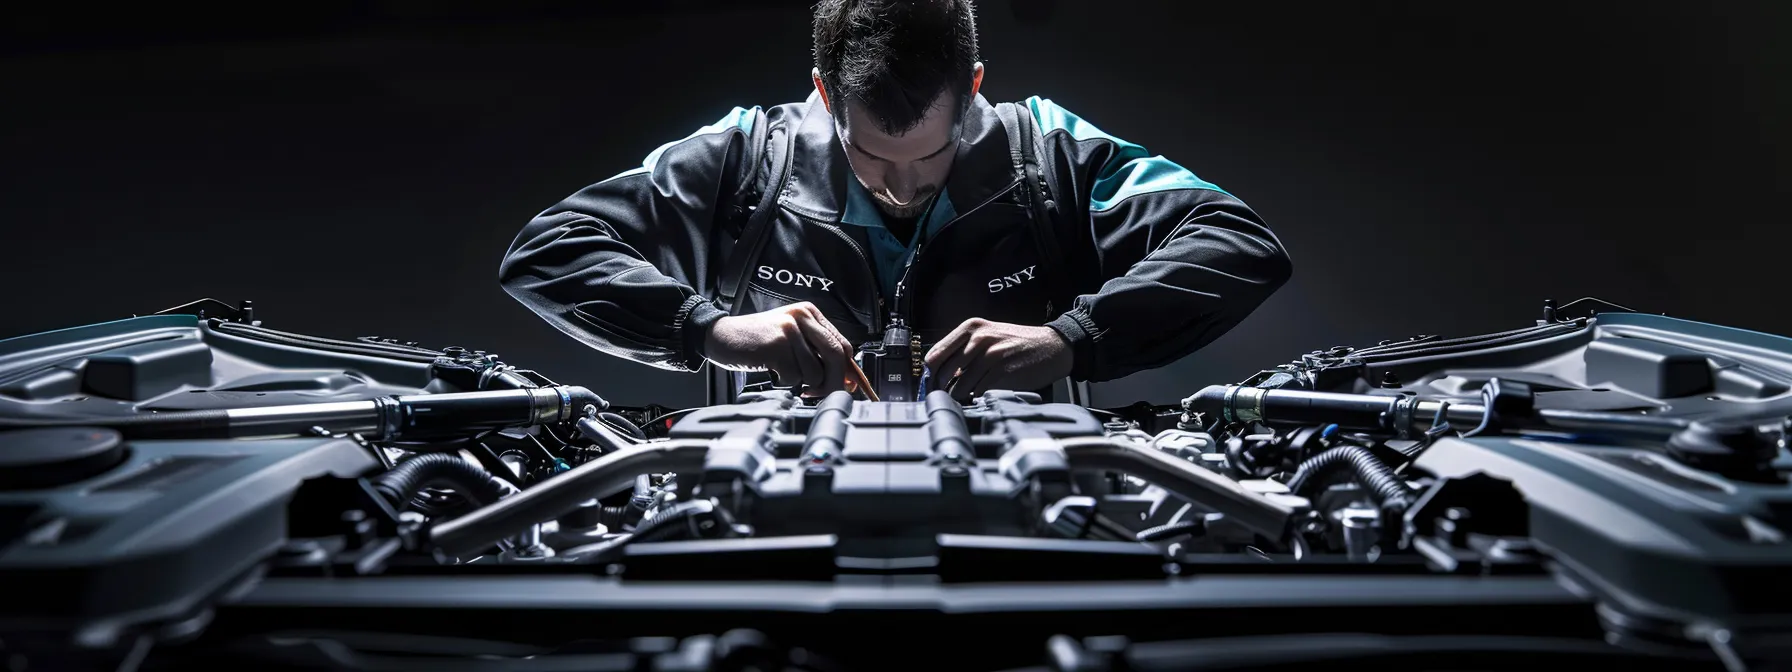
(1020, 241)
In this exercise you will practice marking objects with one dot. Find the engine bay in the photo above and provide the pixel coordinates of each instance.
(195, 487)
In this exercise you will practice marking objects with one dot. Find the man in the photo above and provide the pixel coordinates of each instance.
(1020, 241)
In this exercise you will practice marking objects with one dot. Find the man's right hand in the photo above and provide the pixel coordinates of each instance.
(795, 342)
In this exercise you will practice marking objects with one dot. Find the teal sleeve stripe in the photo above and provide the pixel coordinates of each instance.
(1129, 172)
(739, 117)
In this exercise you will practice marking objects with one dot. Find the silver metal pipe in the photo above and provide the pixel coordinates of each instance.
(1260, 514)
(549, 499)
(391, 417)
(1402, 415)
(603, 436)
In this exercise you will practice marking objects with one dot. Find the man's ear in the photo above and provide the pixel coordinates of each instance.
(815, 74)
(976, 78)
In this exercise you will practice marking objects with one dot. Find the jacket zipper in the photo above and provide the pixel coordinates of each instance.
(903, 297)
(876, 304)
(875, 301)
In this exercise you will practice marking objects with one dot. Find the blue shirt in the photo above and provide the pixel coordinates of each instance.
(888, 255)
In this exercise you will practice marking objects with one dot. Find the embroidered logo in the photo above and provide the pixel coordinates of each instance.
(784, 277)
(1008, 281)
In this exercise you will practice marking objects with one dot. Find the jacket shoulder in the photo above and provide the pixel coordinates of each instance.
(1117, 168)
(739, 119)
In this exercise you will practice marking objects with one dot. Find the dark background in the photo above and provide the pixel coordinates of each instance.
(359, 168)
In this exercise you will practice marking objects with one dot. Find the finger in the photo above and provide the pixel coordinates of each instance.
(953, 366)
(974, 379)
(855, 377)
(807, 364)
(951, 345)
(831, 329)
(852, 371)
(830, 349)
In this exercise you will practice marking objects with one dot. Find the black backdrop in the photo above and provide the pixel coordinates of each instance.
(359, 168)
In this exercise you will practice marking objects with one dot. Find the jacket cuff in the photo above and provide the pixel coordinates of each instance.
(1076, 328)
(692, 324)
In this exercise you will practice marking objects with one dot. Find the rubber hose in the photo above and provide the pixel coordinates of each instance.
(613, 517)
(1369, 471)
(582, 397)
(451, 502)
(1243, 461)
(1384, 486)
(623, 424)
(409, 478)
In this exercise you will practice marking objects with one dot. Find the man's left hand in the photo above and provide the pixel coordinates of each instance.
(981, 355)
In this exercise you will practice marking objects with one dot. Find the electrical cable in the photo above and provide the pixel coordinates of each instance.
(1486, 413)
(1565, 306)
(663, 418)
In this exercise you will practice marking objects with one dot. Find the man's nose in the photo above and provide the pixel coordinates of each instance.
(902, 187)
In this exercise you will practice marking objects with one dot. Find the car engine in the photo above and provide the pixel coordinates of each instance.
(1597, 485)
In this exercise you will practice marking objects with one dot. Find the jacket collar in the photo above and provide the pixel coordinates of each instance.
(821, 185)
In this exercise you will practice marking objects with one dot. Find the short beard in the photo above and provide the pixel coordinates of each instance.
(910, 211)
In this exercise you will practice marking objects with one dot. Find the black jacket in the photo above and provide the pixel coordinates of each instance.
(1151, 262)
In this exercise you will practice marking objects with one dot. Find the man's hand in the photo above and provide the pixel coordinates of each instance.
(794, 342)
(981, 355)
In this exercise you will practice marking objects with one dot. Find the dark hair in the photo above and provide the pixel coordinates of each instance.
(895, 56)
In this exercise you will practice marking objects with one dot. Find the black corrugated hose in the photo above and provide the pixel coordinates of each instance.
(1389, 491)
(623, 424)
(409, 478)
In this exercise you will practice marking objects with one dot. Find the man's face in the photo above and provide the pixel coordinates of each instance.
(902, 172)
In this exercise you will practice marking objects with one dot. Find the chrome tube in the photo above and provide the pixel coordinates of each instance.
(598, 478)
(392, 417)
(602, 435)
(1402, 415)
(1263, 515)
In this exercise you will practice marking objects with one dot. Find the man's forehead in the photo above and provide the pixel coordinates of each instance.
(861, 128)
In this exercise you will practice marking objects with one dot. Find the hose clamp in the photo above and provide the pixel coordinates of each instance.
(549, 405)
(1226, 404)
(1403, 417)
(389, 414)
(1253, 399)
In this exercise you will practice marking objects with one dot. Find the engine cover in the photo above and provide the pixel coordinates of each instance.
(152, 534)
(894, 473)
